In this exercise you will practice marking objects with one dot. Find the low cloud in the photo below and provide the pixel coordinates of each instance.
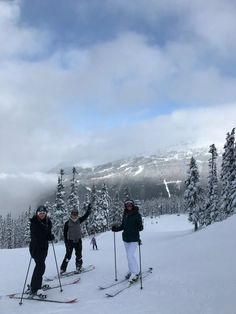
(18, 192)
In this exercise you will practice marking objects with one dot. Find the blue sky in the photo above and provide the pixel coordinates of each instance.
(80, 80)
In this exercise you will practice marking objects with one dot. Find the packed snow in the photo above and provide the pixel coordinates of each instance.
(193, 273)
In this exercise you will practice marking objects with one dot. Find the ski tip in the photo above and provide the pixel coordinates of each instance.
(73, 301)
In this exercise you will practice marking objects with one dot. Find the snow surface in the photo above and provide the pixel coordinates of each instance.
(193, 273)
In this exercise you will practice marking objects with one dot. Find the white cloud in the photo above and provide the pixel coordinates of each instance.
(17, 40)
(47, 95)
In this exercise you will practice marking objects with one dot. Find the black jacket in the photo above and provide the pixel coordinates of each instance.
(41, 233)
(131, 225)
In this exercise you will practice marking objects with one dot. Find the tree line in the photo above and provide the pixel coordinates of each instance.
(204, 206)
(218, 202)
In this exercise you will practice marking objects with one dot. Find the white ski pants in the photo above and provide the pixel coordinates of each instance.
(131, 248)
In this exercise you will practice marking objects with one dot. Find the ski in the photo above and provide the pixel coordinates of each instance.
(71, 273)
(63, 285)
(122, 281)
(115, 293)
(45, 288)
(45, 300)
(113, 284)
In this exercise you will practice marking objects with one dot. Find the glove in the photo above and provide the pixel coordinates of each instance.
(51, 237)
(113, 228)
(89, 207)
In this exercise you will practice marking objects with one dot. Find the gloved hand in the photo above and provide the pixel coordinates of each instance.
(89, 207)
(114, 228)
(51, 237)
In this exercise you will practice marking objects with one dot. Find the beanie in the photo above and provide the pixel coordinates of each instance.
(42, 208)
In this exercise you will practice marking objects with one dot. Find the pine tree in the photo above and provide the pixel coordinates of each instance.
(28, 216)
(97, 219)
(60, 209)
(91, 223)
(116, 211)
(228, 175)
(193, 194)
(211, 208)
(127, 194)
(232, 175)
(73, 201)
(9, 237)
(104, 206)
(86, 226)
(1, 232)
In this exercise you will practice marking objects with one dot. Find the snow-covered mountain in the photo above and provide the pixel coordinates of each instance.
(147, 176)
(171, 165)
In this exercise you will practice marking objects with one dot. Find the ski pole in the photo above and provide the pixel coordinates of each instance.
(25, 281)
(57, 267)
(140, 264)
(115, 256)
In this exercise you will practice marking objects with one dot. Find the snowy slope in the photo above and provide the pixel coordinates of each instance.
(194, 273)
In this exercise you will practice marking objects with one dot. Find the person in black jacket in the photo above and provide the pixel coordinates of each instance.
(131, 225)
(72, 239)
(41, 233)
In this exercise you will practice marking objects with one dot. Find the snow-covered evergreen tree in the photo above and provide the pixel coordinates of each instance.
(104, 207)
(228, 175)
(193, 194)
(211, 207)
(91, 223)
(116, 211)
(232, 175)
(28, 216)
(1, 232)
(86, 226)
(126, 194)
(97, 220)
(60, 213)
(9, 239)
(73, 200)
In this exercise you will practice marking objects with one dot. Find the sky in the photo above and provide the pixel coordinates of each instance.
(193, 272)
(88, 82)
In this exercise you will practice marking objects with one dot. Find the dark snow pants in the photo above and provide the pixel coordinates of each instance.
(78, 254)
(39, 269)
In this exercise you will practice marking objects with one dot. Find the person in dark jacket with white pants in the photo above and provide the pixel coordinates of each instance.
(73, 238)
(131, 226)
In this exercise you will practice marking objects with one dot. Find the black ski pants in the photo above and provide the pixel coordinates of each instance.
(39, 269)
(77, 246)
(95, 246)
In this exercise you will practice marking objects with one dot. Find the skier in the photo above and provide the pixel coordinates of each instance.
(72, 239)
(131, 225)
(94, 243)
(40, 232)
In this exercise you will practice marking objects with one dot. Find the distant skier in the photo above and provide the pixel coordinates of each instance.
(131, 225)
(73, 238)
(40, 231)
(94, 243)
